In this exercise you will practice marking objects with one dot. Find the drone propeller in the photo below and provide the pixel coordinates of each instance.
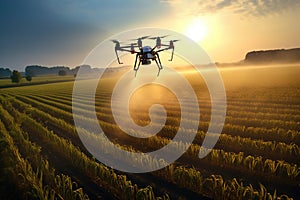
(117, 48)
(158, 40)
(170, 46)
(171, 41)
(115, 41)
(139, 40)
(154, 38)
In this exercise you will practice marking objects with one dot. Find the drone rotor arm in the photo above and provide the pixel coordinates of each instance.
(125, 47)
(153, 48)
(121, 49)
(163, 49)
(165, 45)
(127, 50)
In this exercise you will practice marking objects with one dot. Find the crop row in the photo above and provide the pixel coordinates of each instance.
(118, 185)
(238, 105)
(276, 106)
(288, 95)
(237, 111)
(217, 157)
(213, 186)
(236, 144)
(247, 119)
(18, 173)
(266, 134)
(267, 149)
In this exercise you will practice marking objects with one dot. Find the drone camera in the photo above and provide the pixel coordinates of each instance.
(146, 62)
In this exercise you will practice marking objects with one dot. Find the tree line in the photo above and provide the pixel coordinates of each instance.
(16, 76)
(37, 70)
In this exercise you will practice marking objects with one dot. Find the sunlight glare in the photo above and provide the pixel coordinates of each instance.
(196, 30)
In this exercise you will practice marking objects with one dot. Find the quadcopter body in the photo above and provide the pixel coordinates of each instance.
(145, 54)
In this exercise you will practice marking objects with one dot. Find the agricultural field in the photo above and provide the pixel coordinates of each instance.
(6, 82)
(256, 157)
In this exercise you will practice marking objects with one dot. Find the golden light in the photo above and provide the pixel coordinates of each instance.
(196, 30)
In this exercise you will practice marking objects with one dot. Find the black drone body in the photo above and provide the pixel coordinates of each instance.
(145, 54)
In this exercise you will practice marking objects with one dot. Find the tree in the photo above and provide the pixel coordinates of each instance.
(16, 76)
(28, 78)
(62, 73)
(4, 73)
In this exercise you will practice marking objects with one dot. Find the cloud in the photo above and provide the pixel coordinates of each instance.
(245, 7)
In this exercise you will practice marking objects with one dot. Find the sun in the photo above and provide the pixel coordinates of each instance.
(196, 30)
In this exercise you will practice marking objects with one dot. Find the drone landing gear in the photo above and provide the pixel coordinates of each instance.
(156, 59)
(136, 68)
(118, 57)
(158, 64)
(172, 55)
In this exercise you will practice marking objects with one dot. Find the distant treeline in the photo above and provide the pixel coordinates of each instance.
(37, 70)
(274, 56)
(5, 72)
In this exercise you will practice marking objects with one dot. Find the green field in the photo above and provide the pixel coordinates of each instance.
(256, 157)
(6, 82)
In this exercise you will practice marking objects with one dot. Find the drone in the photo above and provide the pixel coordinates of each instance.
(145, 53)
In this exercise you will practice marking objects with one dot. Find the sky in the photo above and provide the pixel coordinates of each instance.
(63, 32)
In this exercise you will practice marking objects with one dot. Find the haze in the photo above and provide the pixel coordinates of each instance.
(63, 32)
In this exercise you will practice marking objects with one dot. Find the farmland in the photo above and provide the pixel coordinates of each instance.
(6, 82)
(257, 155)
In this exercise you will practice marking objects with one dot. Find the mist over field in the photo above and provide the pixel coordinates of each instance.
(262, 75)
